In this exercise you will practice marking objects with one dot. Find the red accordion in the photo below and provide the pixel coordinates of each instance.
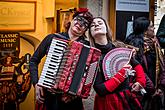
(75, 63)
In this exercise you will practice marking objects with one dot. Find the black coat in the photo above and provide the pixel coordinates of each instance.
(161, 33)
(150, 70)
(53, 101)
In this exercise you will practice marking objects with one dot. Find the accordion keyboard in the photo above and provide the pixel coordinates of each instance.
(70, 67)
(52, 63)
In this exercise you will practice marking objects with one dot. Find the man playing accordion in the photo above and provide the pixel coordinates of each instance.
(75, 32)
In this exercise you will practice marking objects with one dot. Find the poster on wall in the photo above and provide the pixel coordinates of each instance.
(126, 12)
(9, 44)
(14, 72)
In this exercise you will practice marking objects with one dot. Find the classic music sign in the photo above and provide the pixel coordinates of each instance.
(10, 41)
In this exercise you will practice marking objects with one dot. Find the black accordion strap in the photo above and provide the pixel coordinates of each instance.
(62, 36)
(59, 35)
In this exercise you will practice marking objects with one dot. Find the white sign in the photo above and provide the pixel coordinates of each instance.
(132, 5)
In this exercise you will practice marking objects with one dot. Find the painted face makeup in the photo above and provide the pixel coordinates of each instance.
(98, 27)
(82, 21)
(79, 25)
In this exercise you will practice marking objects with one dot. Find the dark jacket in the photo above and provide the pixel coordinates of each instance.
(161, 33)
(150, 57)
(42, 50)
(53, 101)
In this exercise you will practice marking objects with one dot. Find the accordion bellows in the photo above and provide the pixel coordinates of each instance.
(114, 60)
(70, 67)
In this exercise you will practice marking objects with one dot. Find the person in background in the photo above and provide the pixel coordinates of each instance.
(161, 33)
(76, 31)
(114, 93)
(150, 57)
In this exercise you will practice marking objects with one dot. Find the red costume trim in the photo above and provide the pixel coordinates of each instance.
(140, 75)
(112, 83)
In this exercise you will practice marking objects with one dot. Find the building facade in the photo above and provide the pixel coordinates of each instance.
(34, 19)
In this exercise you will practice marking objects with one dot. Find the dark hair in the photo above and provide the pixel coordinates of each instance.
(140, 25)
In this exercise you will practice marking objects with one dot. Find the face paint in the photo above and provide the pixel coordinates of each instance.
(98, 27)
(82, 21)
(77, 26)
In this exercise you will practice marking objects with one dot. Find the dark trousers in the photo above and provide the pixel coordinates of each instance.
(54, 102)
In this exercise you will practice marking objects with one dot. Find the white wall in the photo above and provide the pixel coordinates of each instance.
(160, 13)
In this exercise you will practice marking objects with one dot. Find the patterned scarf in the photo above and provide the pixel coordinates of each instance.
(153, 45)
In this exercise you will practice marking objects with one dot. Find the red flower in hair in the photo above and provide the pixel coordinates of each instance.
(82, 10)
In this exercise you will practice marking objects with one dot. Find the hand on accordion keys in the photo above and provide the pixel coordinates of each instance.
(58, 78)
(39, 94)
